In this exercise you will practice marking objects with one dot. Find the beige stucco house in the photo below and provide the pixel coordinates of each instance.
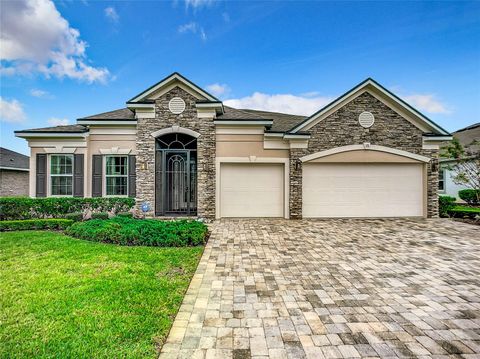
(179, 149)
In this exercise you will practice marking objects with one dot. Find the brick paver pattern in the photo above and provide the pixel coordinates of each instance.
(333, 289)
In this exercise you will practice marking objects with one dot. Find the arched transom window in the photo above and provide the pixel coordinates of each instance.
(176, 141)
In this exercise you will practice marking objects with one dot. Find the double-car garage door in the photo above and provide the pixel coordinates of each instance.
(328, 190)
(362, 190)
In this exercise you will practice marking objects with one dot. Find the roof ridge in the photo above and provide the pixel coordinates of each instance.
(246, 112)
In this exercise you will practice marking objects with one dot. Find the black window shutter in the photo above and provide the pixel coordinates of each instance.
(132, 176)
(97, 166)
(41, 175)
(78, 173)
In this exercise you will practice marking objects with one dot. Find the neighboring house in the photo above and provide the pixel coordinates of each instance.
(14, 174)
(469, 137)
(178, 148)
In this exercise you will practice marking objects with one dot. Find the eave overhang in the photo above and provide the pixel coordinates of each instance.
(26, 134)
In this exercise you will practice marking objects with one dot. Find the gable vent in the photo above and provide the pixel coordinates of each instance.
(366, 119)
(176, 105)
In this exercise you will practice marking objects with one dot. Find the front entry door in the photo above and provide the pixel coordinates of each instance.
(176, 182)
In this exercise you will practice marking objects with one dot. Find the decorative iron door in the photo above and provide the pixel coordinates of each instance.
(176, 182)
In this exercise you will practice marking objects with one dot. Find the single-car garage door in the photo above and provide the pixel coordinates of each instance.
(251, 190)
(362, 190)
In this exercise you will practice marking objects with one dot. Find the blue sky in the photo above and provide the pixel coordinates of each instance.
(71, 59)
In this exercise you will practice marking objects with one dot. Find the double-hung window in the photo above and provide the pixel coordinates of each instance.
(116, 175)
(61, 175)
(441, 180)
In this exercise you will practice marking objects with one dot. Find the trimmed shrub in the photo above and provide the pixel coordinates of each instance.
(27, 208)
(471, 196)
(444, 204)
(141, 232)
(29, 224)
(100, 215)
(463, 211)
(76, 217)
(125, 214)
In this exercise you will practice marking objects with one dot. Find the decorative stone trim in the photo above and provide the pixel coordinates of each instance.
(115, 151)
(60, 149)
(175, 129)
(365, 146)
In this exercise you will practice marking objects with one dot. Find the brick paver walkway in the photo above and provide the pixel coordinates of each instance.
(333, 289)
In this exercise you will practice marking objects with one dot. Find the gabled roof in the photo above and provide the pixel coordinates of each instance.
(173, 77)
(370, 84)
(13, 160)
(120, 114)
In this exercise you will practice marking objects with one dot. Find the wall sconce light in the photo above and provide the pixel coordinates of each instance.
(434, 165)
(144, 166)
(298, 164)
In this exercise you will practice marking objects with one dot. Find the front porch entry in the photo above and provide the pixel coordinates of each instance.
(176, 175)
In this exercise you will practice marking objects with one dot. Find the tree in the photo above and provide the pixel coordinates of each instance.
(466, 167)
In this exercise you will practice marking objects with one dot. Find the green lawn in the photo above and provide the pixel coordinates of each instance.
(67, 298)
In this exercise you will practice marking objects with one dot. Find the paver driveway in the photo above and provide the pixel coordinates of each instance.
(333, 288)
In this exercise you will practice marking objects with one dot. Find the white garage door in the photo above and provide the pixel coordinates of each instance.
(362, 190)
(251, 190)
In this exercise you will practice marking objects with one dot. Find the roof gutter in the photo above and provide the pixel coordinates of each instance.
(107, 122)
(244, 123)
(23, 134)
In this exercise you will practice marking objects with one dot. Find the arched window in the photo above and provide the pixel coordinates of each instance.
(176, 141)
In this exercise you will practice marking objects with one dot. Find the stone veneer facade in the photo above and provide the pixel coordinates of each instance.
(341, 128)
(205, 151)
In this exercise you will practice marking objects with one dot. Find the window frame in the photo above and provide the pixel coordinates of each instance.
(50, 175)
(105, 176)
(443, 180)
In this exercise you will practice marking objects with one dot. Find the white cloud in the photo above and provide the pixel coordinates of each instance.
(285, 103)
(36, 38)
(427, 102)
(11, 111)
(194, 28)
(198, 3)
(41, 94)
(111, 14)
(53, 121)
(218, 90)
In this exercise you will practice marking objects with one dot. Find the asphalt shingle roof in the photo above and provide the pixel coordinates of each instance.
(469, 137)
(120, 114)
(58, 129)
(9, 158)
(282, 122)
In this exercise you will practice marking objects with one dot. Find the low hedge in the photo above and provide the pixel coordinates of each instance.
(12, 208)
(30, 224)
(464, 211)
(445, 203)
(141, 232)
(471, 196)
